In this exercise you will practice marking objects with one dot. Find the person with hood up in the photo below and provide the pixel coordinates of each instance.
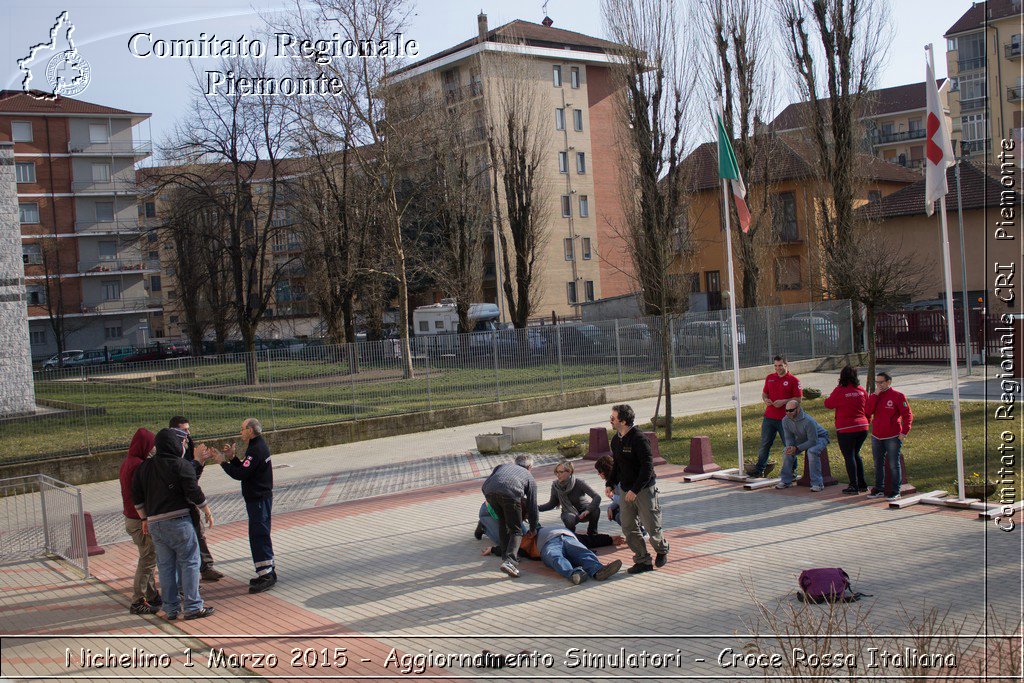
(145, 598)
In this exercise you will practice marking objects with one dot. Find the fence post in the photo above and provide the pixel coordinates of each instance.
(721, 336)
(558, 343)
(42, 507)
(497, 384)
(810, 319)
(863, 326)
(181, 387)
(426, 357)
(85, 412)
(768, 332)
(83, 543)
(618, 351)
(671, 341)
(352, 373)
(270, 390)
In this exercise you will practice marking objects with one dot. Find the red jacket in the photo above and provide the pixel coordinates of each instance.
(138, 451)
(890, 414)
(848, 402)
(787, 386)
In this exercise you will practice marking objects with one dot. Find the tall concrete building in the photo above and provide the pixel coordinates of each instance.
(983, 56)
(89, 271)
(584, 257)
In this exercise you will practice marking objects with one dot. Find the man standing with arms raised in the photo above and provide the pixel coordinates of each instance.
(780, 387)
(633, 470)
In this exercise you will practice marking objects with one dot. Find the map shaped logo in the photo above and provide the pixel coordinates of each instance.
(64, 70)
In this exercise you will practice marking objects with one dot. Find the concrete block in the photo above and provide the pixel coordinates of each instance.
(521, 433)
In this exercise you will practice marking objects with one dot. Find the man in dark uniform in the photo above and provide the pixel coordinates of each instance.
(633, 470)
(182, 428)
(257, 476)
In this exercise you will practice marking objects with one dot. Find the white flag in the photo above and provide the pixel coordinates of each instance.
(938, 152)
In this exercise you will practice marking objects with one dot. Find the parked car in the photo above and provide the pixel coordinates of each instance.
(707, 337)
(635, 340)
(96, 357)
(801, 335)
(54, 360)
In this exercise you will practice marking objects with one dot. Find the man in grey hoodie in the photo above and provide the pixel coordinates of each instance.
(800, 433)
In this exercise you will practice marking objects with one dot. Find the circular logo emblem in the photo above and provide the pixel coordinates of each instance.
(68, 73)
(785, 384)
(888, 404)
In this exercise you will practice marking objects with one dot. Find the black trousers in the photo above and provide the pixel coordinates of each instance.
(849, 445)
(510, 526)
(205, 558)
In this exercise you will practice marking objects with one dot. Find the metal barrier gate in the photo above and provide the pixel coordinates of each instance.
(40, 516)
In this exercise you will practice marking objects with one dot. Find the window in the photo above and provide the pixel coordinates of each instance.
(154, 255)
(111, 290)
(31, 253)
(556, 76)
(784, 217)
(21, 131)
(787, 273)
(28, 212)
(104, 212)
(25, 171)
(588, 289)
(35, 295)
(112, 331)
(98, 133)
(973, 127)
(567, 246)
(559, 119)
(695, 283)
(108, 250)
(581, 162)
(101, 173)
(574, 76)
(585, 248)
(584, 206)
(915, 125)
(950, 44)
(424, 326)
(570, 292)
(916, 152)
(874, 195)
(438, 324)
(577, 119)
(563, 162)
(154, 283)
(973, 89)
(37, 337)
(566, 206)
(150, 209)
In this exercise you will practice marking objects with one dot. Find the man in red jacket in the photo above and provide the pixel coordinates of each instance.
(780, 387)
(890, 423)
(145, 598)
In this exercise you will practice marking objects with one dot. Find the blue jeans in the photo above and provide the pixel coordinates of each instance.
(887, 450)
(813, 464)
(177, 552)
(770, 427)
(565, 554)
(259, 534)
(490, 525)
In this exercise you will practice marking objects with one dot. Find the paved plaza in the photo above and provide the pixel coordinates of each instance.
(380, 577)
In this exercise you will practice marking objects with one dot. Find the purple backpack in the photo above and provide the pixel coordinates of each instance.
(826, 585)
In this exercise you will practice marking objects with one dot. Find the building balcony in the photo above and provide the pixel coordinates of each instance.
(137, 265)
(104, 187)
(973, 146)
(973, 103)
(1013, 93)
(972, 64)
(286, 247)
(1012, 50)
(126, 305)
(130, 148)
(129, 227)
(880, 138)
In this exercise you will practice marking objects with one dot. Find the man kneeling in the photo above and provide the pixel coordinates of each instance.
(802, 433)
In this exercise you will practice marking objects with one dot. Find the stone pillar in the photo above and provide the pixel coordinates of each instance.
(17, 392)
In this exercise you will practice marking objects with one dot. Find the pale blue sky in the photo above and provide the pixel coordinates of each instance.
(160, 86)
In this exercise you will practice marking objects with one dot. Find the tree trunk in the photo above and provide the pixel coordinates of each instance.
(252, 375)
(872, 354)
(666, 369)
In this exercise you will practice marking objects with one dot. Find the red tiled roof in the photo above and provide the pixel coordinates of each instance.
(529, 33)
(877, 103)
(20, 102)
(790, 160)
(975, 16)
(979, 191)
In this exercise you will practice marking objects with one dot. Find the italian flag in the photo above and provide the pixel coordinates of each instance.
(729, 170)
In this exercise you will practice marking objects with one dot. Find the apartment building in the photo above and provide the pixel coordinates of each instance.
(983, 57)
(89, 271)
(894, 122)
(583, 258)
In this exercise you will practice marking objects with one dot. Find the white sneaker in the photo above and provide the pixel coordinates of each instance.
(510, 569)
(780, 485)
(817, 489)
(893, 497)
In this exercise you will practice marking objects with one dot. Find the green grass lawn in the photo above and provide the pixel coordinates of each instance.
(929, 450)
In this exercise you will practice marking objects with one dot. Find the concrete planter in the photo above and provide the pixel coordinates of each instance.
(528, 431)
(494, 443)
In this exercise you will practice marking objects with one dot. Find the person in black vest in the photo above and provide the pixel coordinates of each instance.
(181, 425)
(633, 470)
(257, 476)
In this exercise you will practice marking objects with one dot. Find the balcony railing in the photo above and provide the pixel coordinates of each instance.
(285, 247)
(885, 138)
(112, 227)
(971, 146)
(138, 148)
(973, 103)
(1012, 50)
(970, 64)
(117, 265)
(1013, 93)
(105, 186)
(125, 305)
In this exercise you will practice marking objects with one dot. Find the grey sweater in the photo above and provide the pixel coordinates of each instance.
(803, 432)
(515, 482)
(577, 494)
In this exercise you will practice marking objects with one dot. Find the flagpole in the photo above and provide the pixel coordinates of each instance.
(963, 272)
(732, 326)
(951, 333)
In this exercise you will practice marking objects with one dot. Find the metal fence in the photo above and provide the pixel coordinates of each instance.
(922, 335)
(99, 407)
(41, 516)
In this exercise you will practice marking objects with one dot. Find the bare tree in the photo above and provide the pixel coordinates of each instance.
(652, 81)
(849, 37)
(56, 263)
(516, 140)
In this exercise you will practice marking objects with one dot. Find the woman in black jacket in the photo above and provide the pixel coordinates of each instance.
(570, 493)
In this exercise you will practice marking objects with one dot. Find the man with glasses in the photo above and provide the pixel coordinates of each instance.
(891, 418)
(779, 387)
(801, 433)
(181, 426)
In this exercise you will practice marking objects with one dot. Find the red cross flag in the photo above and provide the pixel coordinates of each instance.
(938, 152)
